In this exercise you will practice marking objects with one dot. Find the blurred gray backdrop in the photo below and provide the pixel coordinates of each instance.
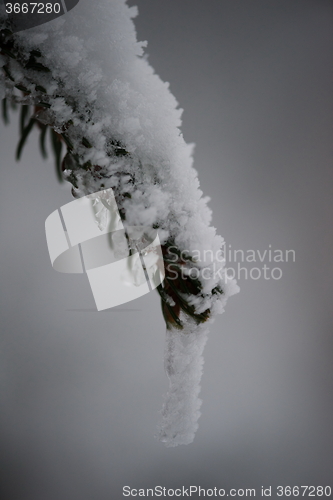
(81, 390)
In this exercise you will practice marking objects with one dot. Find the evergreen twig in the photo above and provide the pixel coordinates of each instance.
(174, 295)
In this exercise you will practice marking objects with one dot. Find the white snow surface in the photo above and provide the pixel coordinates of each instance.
(183, 365)
(97, 64)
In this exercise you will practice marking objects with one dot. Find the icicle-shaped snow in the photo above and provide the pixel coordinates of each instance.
(183, 365)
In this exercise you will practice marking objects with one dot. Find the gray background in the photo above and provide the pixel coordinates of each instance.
(81, 390)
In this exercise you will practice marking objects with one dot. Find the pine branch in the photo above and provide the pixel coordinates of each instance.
(107, 130)
(74, 166)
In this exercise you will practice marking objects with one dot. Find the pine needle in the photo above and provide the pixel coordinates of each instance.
(23, 117)
(24, 137)
(4, 109)
(42, 139)
(57, 148)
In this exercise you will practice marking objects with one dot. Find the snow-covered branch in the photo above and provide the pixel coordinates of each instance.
(84, 76)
